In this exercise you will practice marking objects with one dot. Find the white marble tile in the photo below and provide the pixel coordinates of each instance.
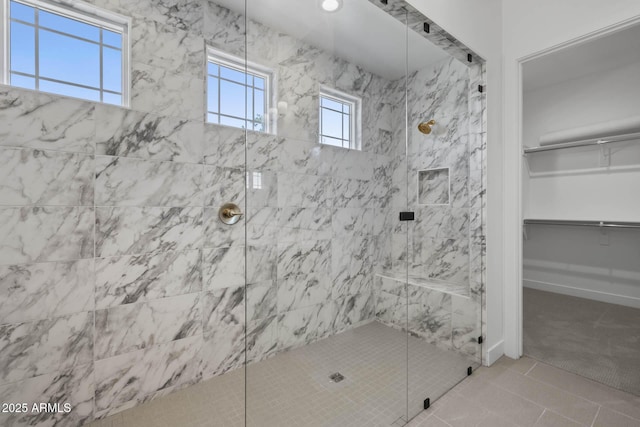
(185, 15)
(302, 290)
(303, 190)
(128, 133)
(305, 325)
(167, 47)
(353, 221)
(129, 379)
(131, 327)
(46, 122)
(261, 300)
(466, 324)
(316, 218)
(262, 263)
(74, 386)
(40, 347)
(262, 339)
(224, 29)
(223, 267)
(351, 265)
(38, 177)
(120, 181)
(45, 234)
(299, 156)
(309, 257)
(45, 290)
(430, 315)
(218, 234)
(353, 310)
(224, 146)
(138, 278)
(224, 331)
(167, 93)
(135, 230)
(224, 185)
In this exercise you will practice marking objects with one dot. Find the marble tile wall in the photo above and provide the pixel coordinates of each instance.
(117, 281)
(445, 244)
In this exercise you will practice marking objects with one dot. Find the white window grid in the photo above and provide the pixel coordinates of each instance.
(251, 69)
(351, 138)
(79, 11)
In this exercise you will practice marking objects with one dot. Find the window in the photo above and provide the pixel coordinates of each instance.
(79, 52)
(339, 119)
(238, 96)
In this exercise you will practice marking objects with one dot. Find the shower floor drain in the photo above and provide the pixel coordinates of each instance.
(337, 377)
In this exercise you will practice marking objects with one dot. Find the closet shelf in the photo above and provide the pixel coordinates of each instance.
(584, 143)
(581, 223)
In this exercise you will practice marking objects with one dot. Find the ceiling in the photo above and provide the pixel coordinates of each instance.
(609, 52)
(359, 32)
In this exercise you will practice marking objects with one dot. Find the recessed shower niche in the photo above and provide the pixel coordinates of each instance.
(434, 187)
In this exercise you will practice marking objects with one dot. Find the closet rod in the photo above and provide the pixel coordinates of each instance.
(584, 143)
(577, 223)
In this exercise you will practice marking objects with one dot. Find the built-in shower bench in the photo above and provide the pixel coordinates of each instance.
(459, 289)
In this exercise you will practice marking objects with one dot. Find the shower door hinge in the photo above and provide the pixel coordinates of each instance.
(407, 216)
(480, 88)
(427, 403)
(480, 340)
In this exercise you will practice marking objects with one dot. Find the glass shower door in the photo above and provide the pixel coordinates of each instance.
(319, 221)
(446, 243)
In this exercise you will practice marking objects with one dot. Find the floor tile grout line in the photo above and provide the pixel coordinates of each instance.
(572, 393)
(526, 374)
(540, 417)
(596, 417)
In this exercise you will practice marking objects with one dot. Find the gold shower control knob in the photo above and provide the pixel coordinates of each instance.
(425, 127)
(230, 213)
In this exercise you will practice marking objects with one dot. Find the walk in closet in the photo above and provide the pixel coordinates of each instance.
(581, 209)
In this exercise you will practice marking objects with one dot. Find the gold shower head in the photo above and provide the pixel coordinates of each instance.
(425, 127)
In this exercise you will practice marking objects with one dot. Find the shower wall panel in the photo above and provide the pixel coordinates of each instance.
(117, 281)
(443, 255)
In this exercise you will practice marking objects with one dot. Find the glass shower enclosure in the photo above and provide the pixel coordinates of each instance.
(357, 217)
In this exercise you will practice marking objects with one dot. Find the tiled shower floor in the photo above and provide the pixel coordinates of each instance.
(294, 389)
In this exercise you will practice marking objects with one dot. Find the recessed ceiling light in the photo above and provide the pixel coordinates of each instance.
(331, 5)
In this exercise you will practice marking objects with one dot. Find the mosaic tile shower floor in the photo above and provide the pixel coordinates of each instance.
(294, 389)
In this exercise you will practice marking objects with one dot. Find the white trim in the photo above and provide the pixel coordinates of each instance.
(247, 67)
(79, 11)
(494, 353)
(583, 293)
(4, 42)
(355, 142)
(513, 219)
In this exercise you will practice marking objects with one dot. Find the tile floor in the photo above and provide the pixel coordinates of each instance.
(594, 339)
(530, 393)
(294, 389)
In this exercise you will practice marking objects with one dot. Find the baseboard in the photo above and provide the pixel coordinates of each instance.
(494, 353)
(583, 293)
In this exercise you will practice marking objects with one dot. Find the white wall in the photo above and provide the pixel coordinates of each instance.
(478, 25)
(557, 189)
(530, 27)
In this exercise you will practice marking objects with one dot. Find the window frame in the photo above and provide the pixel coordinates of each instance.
(355, 116)
(78, 11)
(227, 60)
